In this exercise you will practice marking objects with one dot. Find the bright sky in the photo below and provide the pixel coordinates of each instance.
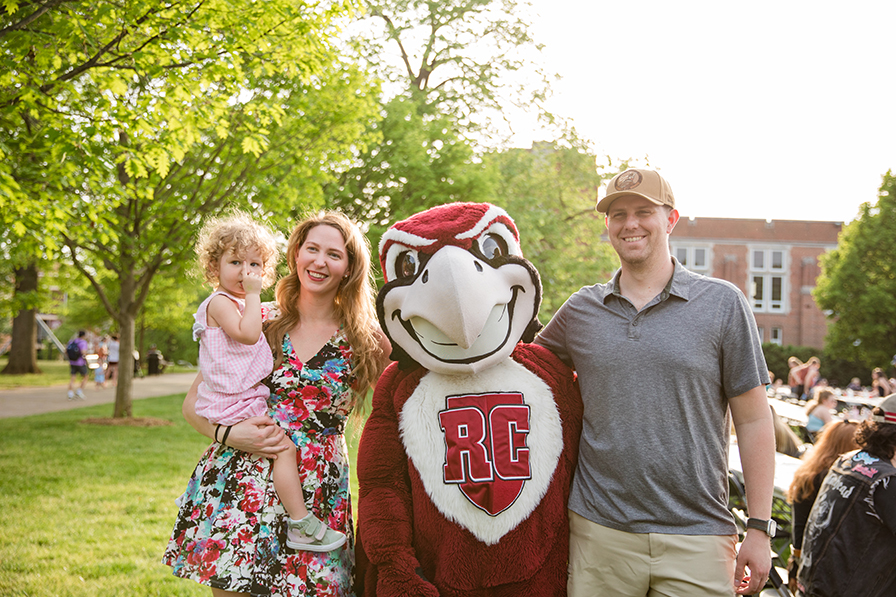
(776, 110)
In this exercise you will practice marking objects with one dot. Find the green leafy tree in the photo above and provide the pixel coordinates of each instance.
(550, 191)
(73, 73)
(29, 245)
(165, 318)
(152, 219)
(857, 284)
(421, 162)
(135, 120)
(458, 66)
(471, 58)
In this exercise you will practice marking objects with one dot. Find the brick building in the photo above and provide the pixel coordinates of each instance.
(774, 262)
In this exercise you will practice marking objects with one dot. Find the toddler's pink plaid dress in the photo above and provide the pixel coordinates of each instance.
(230, 391)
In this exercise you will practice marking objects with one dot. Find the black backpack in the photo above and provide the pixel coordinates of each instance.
(73, 350)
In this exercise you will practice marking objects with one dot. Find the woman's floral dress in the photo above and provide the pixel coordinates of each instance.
(231, 529)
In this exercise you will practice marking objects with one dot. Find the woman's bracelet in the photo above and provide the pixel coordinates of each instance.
(226, 433)
(216, 431)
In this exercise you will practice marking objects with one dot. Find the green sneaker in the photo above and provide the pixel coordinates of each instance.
(310, 534)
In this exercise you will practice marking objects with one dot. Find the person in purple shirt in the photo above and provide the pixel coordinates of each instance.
(75, 352)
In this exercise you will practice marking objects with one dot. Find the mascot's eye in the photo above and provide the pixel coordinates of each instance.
(493, 246)
(406, 264)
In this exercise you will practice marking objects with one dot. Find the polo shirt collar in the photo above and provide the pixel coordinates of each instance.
(678, 285)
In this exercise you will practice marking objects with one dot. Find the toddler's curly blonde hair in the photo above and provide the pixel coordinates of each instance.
(238, 232)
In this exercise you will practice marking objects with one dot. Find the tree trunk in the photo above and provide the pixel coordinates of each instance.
(141, 342)
(23, 349)
(123, 401)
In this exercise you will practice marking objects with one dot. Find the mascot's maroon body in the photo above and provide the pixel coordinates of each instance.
(466, 460)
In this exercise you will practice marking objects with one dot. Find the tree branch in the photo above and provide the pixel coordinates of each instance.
(72, 246)
(393, 33)
(39, 12)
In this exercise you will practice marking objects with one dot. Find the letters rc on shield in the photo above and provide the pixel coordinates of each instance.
(485, 448)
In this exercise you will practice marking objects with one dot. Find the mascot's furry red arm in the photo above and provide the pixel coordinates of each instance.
(466, 460)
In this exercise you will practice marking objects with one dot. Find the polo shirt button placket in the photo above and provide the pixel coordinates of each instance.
(633, 331)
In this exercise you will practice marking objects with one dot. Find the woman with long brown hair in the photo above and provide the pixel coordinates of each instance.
(836, 438)
(849, 547)
(328, 351)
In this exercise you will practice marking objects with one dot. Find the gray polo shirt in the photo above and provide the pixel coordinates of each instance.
(653, 456)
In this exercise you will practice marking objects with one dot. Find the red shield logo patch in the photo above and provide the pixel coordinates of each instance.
(485, 448)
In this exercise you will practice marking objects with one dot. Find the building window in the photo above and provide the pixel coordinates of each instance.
(776, 337)
(694, 257)
(768, 280)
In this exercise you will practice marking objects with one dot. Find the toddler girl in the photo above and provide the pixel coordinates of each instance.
(238, 257)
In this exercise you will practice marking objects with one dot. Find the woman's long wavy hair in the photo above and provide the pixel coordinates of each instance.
(836, 438)
(354, 303)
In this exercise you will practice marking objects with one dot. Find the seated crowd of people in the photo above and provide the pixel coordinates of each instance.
(842, 495)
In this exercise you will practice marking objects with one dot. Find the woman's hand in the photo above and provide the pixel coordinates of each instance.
(257, 435)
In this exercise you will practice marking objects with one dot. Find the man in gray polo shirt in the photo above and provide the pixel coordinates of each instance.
(663, 355)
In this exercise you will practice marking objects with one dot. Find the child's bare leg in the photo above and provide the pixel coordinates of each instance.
(305, 531)
(287, 481)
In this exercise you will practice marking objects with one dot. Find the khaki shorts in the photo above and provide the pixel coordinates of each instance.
(605, 562)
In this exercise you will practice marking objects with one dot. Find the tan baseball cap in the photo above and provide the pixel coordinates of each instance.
(642, 183)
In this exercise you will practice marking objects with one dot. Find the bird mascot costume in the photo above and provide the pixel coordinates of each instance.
(466, 460)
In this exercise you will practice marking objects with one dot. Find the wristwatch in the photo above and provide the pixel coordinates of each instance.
(769, 527)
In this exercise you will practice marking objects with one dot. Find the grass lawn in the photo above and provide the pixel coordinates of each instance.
(86, 510)
(54, 373)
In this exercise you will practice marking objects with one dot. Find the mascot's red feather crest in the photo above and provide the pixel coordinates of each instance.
(456, 224)
(466, 460)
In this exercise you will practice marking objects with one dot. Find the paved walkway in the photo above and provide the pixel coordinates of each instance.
(21, 402)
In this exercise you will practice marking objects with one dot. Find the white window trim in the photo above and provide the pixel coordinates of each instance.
(690, 247)
(767, 273)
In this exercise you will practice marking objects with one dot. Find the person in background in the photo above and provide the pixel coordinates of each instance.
(155, 361)
(112, 369)
(786, 441)
(849, 545)
(649, 501)
(835, 439)
(796, 376)
(76, 351)
(880, 385)
(102, 350)
(855, 384)
(99, 375)
(813, 376)
(818, 410)
(102, 353)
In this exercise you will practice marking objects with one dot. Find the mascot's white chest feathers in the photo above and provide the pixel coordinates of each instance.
(485, 445)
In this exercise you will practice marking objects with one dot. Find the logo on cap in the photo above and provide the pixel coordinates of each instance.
(628, 180)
